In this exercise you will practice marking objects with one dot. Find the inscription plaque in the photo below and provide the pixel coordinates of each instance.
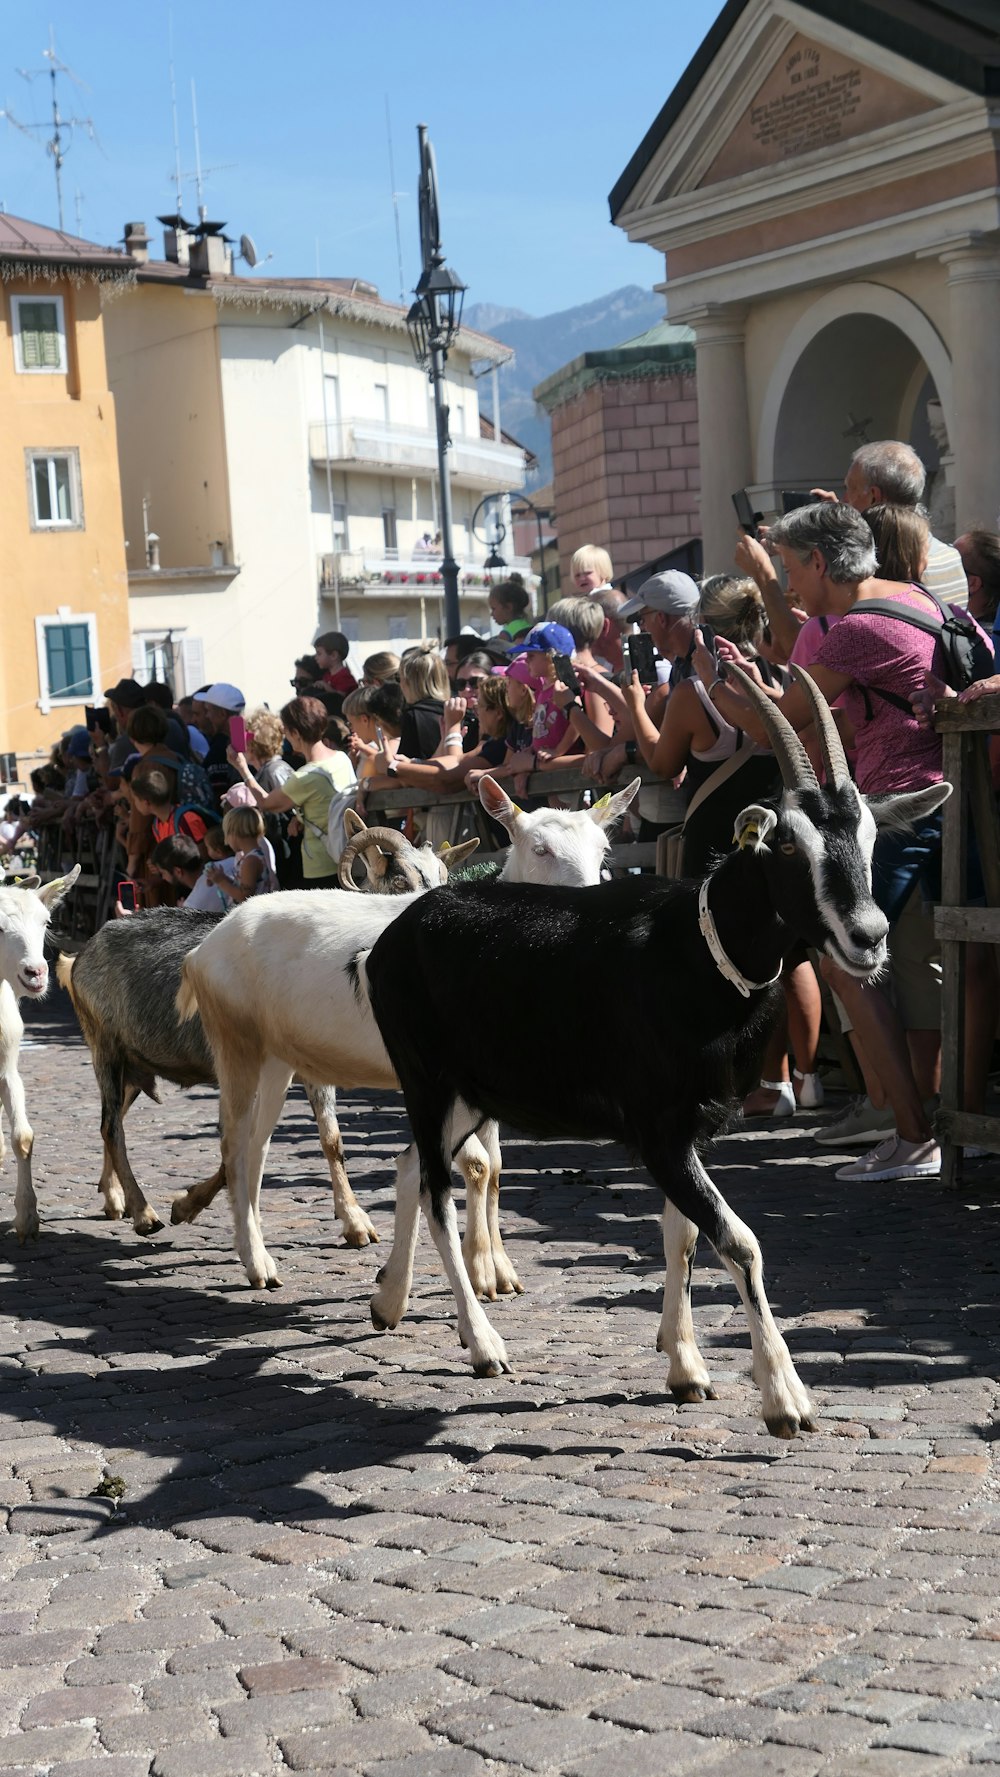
(813, 98)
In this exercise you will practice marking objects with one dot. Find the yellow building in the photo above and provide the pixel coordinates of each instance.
(64, 628)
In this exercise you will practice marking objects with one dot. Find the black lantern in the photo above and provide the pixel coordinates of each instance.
(418, 328)
(494, 559)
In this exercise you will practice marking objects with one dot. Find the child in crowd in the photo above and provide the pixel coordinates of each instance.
(154, 792)
(331, 651)
(367, 732)
(591, 568)
(256, 874)
(180, 863)
(551, 735)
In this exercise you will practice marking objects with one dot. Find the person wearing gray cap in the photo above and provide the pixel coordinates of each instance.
(666, 608)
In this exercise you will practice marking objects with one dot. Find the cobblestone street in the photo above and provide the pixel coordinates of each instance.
(337, 1551)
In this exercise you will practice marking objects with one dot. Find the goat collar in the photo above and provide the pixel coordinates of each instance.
(707, 928)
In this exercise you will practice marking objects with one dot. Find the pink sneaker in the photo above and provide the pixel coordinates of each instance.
(895, 1158)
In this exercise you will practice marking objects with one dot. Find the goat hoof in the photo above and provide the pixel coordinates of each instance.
(358, 1237)
(274, 1283)
(493, 1366)
(181, 1210)
(29, 1231)
(380, 1325)
(150, 1224)
(686, 1394)
(784, 1425)
(510, 1286)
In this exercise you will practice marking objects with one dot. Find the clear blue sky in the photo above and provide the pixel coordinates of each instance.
(534, 109)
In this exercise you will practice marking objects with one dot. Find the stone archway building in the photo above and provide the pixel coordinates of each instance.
(823, 183)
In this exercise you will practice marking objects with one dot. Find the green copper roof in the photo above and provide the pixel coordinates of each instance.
(663, 350)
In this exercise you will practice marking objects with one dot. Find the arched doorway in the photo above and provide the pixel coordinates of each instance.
(862, 363)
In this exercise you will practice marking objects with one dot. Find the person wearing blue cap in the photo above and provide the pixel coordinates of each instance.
(551, 735)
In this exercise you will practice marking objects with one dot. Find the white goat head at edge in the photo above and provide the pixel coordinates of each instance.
(25, 910)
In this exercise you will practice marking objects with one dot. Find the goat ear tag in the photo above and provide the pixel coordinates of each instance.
(603, 803)
(753, 826)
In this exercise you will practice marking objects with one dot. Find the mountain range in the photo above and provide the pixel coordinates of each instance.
(543, 343)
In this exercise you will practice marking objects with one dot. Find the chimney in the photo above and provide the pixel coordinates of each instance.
(176, 239)
(210, 252)
(137, 241)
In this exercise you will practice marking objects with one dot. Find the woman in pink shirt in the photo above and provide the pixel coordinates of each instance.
(874, 666)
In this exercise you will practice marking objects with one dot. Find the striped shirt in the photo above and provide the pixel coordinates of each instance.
(945, 575)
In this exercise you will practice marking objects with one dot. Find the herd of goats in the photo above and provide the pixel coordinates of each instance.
(362, 990)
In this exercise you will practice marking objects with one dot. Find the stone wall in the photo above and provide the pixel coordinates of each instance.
(625, 459)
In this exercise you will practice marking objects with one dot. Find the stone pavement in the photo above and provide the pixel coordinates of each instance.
(337, 1552)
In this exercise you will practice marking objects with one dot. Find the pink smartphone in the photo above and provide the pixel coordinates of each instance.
(238, 734)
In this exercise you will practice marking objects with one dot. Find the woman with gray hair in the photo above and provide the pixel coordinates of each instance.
(876, 664)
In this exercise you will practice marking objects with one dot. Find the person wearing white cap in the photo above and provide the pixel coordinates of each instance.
(215, 704)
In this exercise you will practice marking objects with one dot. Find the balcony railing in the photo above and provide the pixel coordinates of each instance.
(355, 571)
(379, 444)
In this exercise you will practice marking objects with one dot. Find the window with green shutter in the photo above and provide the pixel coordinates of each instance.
(67, 654)
(39, 333)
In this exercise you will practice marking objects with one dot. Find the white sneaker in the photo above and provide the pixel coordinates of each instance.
(895, 1158)
(859, 1123)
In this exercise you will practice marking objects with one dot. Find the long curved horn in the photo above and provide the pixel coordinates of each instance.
(383, 839)
(796, 766)
(832, 747)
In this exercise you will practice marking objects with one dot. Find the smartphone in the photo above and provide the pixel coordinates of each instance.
(642, 658)
(566, 673)
(748, 518)
(792, 499)
(128, 895)
(708, 637)
(97, 719)
(237, 734)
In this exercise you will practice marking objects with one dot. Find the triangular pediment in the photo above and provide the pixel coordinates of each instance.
(813, 97)
(777, 85)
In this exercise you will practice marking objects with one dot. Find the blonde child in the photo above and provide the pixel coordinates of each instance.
(243, 829)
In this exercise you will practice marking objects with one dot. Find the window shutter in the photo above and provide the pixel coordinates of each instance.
(40, 344)
(139, 658)
(192, 662)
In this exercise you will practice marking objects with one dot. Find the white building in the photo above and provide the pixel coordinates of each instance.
(278, 467)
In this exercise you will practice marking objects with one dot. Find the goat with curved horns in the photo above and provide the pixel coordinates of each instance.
(124, 985)
(686, 977)
(253, 976)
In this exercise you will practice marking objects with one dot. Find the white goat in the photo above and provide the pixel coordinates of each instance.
(24, 974)
(276, 985)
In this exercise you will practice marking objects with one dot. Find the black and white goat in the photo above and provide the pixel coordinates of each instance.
(683, 979)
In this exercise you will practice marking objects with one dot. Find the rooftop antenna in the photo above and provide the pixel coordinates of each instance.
(61, 139)
(78, 208)
(201, 173)
(173, 113)
(199, 185)
(396, 195)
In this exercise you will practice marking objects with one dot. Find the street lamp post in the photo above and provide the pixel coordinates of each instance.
(433, 323)
(495, 559)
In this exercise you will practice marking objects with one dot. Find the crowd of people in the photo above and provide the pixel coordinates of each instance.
(213, 805)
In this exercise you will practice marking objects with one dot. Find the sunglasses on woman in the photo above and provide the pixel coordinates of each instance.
(463, 684)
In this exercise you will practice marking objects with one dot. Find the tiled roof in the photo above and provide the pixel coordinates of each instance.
(35, 244)
(354, 298)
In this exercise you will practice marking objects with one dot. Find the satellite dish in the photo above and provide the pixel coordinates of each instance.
(247, 250)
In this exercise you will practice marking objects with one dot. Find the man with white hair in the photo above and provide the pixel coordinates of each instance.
(891, 474)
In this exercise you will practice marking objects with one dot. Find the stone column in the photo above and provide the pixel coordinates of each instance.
(723, 426)
(974, 300)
